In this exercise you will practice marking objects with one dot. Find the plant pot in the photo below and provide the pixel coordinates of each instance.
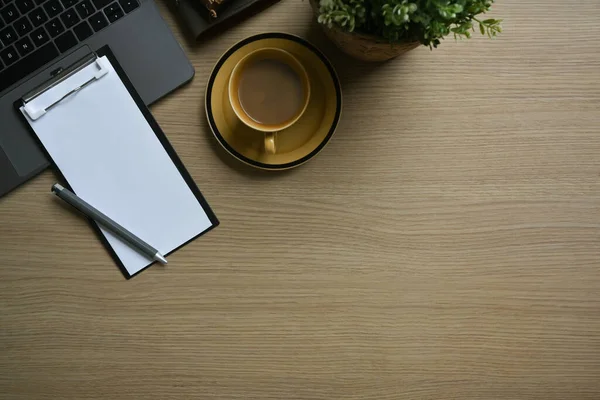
(363, 46)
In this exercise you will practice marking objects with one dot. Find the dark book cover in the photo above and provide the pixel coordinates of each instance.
(196, 17)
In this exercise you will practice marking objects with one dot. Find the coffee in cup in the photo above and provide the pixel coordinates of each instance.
(269, 91)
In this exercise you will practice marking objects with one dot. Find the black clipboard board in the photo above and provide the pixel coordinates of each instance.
(105, 51)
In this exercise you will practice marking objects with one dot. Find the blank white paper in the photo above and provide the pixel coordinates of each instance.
(112, 159)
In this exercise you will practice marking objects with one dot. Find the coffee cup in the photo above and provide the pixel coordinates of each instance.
(269, 90)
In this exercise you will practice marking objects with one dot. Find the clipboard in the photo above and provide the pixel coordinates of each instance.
(119, 162)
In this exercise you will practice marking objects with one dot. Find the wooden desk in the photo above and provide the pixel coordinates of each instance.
(446, 244)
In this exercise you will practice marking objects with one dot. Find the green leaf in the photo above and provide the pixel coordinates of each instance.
(457, 8)
(482, 29)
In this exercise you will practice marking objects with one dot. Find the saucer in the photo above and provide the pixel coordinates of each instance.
(296, 144)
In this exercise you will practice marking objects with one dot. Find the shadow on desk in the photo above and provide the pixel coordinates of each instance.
(349, 70)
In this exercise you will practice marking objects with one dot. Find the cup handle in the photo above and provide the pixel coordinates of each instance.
(270, 147)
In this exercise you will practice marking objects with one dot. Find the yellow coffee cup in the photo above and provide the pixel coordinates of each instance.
(269, 91)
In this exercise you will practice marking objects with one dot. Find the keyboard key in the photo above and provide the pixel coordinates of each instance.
(55, 27)
(65, 41)
(23, 67)
(53, 8)
(39, 36)
(25, 5)
(129, 5)
(23, 26)
(9, 55)
(113, 12)
(85, 9)
(24, 46)
(82, 31)
(10, 13)
(100, 4)
(40, 2)
(98, 21)
(115, 16)
(38, 16)
(1, 66)
(69, 18)
(68, 3)
(111, 8)
(8, 35)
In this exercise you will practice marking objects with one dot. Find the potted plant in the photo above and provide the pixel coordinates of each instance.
(377, 30)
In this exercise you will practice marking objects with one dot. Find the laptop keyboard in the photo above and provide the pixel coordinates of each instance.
(34, 32)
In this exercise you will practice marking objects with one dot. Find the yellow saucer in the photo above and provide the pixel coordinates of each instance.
(296, 144)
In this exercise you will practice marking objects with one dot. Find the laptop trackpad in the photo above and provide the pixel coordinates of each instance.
(17, 142)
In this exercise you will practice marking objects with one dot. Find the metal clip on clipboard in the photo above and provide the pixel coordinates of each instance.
(36, 112)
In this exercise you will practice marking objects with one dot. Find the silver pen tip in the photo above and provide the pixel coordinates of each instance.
(56, 187)
(159, 257)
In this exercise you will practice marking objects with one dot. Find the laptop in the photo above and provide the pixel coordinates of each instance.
(40, 37)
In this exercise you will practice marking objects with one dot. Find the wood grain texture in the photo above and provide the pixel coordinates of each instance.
(446, 243)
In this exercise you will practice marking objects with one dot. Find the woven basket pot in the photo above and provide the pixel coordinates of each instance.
(362, 46)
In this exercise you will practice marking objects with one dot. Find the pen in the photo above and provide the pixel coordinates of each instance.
(133, 241)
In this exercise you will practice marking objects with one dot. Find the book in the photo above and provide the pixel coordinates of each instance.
(199, 23)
